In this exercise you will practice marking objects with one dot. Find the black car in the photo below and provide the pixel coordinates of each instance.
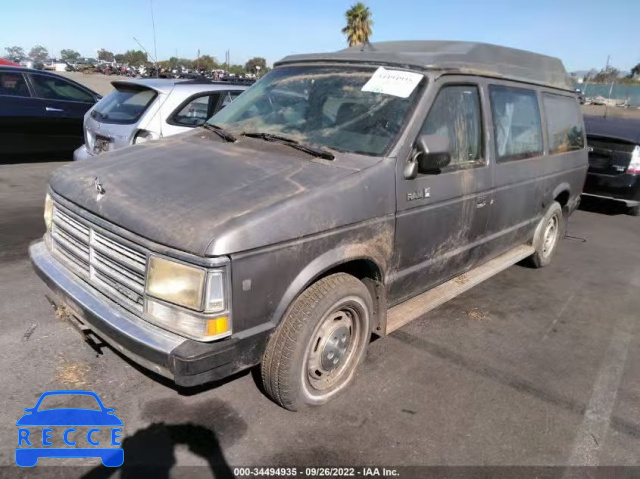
(41, 112)
(614, 160)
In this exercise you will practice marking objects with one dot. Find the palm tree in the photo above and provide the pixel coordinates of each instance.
(358, 29)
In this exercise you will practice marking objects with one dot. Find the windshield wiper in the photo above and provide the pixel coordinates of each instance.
(221, 132)
(312, 150)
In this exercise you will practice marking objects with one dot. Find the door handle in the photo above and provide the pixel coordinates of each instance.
(50, 108)
(481, 202)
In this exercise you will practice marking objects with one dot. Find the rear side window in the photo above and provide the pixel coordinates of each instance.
(196, 112)
(564, 124)
(455, 114)
(228, 98)
(124, 105)
(516, 122)
(13, 84)
(52, 88)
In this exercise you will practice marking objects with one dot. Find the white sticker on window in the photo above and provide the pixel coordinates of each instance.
(393, 82)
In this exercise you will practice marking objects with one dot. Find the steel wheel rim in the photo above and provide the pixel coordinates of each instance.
(341, 332)
(550, 237)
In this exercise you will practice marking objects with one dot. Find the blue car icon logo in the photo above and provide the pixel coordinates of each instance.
(69, 432)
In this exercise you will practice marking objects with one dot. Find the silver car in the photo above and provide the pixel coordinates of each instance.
(139, 110)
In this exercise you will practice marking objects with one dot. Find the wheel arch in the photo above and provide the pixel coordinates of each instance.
(363, 266)
(562, 194)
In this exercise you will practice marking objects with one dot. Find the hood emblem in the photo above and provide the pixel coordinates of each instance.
(99, 189)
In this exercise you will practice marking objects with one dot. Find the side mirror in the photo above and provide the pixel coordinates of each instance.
(433, 153)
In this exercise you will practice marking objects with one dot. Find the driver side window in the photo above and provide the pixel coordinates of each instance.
(456, 115)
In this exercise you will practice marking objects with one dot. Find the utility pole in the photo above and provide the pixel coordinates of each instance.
(155, 48)
(198, 63)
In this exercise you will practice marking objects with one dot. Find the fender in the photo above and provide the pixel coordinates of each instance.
(318, 267)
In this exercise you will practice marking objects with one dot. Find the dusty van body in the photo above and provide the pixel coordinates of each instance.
(344, 194)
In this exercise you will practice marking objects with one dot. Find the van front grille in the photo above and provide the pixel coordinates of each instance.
(116, 269)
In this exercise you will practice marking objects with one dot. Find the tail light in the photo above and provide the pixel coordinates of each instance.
(634, 165)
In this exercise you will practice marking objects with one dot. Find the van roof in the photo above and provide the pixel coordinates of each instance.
(454, 57)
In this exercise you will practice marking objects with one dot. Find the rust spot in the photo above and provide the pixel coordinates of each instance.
(462, 279)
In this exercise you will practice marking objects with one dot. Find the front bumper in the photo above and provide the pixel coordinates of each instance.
(82, 153)
(186, 362)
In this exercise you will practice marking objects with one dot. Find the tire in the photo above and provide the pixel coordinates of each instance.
(315, 351)
(550, 231)
(634, 211)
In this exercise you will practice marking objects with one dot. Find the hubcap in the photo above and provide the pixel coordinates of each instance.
(550, 235)
(332, 348)
(335, 347)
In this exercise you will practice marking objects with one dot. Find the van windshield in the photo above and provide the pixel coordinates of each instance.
(324, 106)
(124, 105)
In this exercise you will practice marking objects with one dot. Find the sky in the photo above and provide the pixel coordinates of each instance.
(574, 31)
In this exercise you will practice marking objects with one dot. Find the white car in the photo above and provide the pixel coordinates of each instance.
(139, 110)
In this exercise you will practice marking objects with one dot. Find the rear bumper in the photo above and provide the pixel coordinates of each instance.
(186, 362)
(81, 153)
(624, 188)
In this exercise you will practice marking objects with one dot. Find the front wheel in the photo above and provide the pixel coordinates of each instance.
(314, 353)
(548, 235)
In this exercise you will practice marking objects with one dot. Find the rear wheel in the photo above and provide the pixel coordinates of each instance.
(314, 353)
(548, 235)
(634, 211)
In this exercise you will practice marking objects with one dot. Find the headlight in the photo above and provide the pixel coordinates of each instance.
(176, 283)
(48, 211)
(202, 291)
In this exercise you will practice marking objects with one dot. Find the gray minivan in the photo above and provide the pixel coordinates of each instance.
(343, 195)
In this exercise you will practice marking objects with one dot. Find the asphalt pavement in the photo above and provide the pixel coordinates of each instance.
(531, 368)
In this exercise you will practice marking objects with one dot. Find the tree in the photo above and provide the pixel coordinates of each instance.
(359, 23)
(15, 54)
(118, 57)
(207, 62)
(135, 57)
(39, 54)
(254, 62)
(590, 75)
(236, 69)
(69, 55)
(606, 75)
(105, 55)
(635, 71)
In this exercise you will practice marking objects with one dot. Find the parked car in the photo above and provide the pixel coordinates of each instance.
(41, 112)
(614, 160)
(139, 110)
(334, 199)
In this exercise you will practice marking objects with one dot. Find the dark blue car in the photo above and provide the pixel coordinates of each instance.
(37, 419)
(41, 113)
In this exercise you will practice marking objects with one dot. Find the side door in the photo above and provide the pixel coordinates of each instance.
(520, 166)
(442, 216)
(65, 105)
(22, 117)
(192, 112)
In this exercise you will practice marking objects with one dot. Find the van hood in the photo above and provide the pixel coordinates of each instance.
(199, 195)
